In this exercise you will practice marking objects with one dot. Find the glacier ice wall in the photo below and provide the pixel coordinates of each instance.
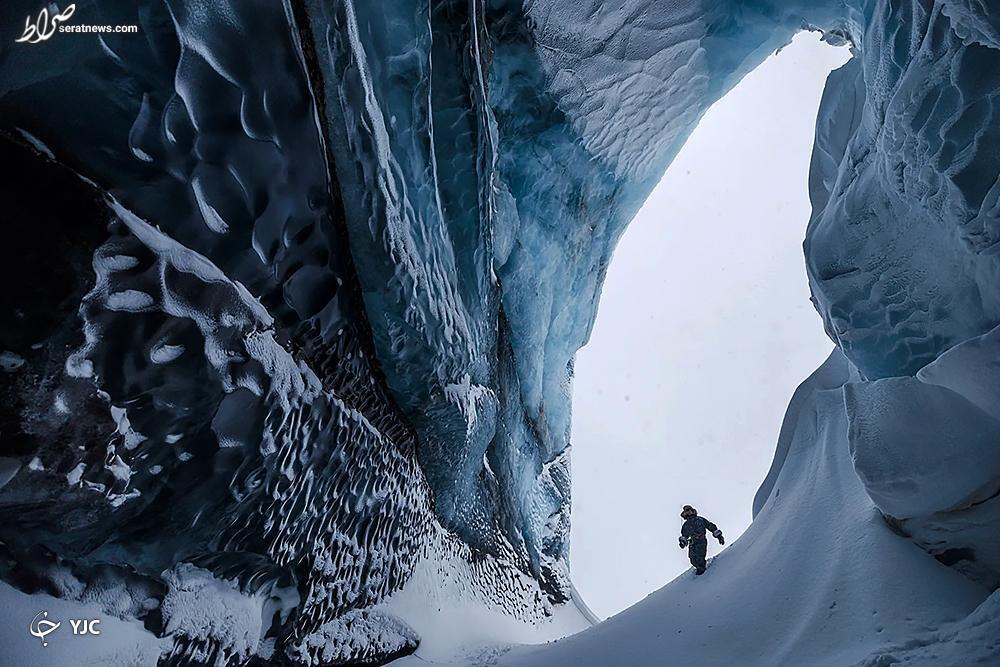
(217, 400)
(902, 244)
(294, 289)
(902, 257)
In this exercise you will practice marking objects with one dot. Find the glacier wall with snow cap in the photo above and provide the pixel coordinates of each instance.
(294, 291)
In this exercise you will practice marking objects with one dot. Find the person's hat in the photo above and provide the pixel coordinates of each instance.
(688, 511)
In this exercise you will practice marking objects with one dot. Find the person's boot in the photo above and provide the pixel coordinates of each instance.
(699, 571)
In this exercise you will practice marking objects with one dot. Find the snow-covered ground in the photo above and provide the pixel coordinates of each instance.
(818, 578)
(119, 644)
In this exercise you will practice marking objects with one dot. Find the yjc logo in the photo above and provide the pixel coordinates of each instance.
(84, 626)
(42, 627)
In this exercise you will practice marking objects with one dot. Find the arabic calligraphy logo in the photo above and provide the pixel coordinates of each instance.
(41, 627)
(45, 25)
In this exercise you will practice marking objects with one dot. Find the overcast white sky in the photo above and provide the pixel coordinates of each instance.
(704, 331)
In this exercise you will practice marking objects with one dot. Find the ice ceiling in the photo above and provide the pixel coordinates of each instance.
(292, 290)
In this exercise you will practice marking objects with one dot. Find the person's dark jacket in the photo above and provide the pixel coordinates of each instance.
(696, 527)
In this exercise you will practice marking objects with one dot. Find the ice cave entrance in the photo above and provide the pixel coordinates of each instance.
(704, 331)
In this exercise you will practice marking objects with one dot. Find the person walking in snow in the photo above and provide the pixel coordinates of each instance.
(693, 537)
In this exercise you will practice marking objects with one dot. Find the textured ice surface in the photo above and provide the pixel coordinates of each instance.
(210, 613)
(293, 291)
(902, 246)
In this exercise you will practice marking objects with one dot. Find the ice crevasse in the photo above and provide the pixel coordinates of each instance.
(320, 270)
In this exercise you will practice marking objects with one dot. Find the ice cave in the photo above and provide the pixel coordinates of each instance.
(292, 293)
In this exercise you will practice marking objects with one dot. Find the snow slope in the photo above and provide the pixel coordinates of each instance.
(817, 579)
